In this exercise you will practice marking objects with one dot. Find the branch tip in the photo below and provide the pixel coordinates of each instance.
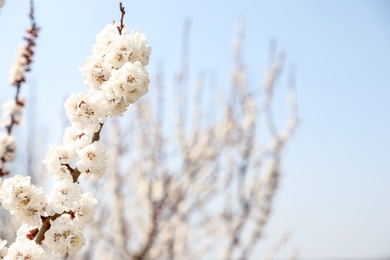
(121, 25)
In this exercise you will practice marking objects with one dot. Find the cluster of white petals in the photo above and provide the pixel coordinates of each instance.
(27, 203)
(18, 67)
(78, 138)
(115, 77)
(11, 111)
(84, 111)
(64, 236)
(24, 247)
(63, 195)
(84, 209)
(115, 73)
(93, 161)
(23, 200)
(57, 158)
(7, 147)
(12, 114)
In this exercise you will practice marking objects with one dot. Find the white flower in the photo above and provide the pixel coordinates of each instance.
(64, 236)
(106, 105)
(57, 158)
(133, 47)
(84, 209)
(95, 72)
(26, 202)
(17, 69)
(11, 108)
(118, 52)
(93, 161)
(79, 138)
(26, 232)
(7, 147)
(83, 112)
(127, 85)
(25, 249)
(140, 48)
(64, 194)
(105, 37)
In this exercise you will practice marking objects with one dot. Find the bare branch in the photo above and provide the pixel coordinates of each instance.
(121, 24)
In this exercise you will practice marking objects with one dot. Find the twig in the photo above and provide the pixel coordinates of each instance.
(45, 227)
(121, 25)
(96, 136)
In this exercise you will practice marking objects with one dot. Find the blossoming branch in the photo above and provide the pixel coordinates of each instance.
(12, 109)
(115, 77)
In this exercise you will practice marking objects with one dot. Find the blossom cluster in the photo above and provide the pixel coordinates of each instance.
(12, 109)
(115, 77)
(7, 148)
(21, 61)
(67, 208)
(12, 114)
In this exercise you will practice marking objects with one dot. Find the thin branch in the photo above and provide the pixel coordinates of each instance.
(121, 25)
(26, 53)
(96, 136)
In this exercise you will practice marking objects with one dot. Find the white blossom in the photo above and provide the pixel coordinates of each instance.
(115, 77)
(11, 109)
(79, 138)
(127, 85)
(26, 202)
(58, 158)
(25, 249)
(95, 72)
(83, 112)
(24, 231)
(93, 161)
(105, 37)
(17, 69)
(64, 194)
(7, 147)
(64, 236)
(84, 209)
(140, 48)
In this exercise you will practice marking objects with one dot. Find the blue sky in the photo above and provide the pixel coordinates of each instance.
(335, 193)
